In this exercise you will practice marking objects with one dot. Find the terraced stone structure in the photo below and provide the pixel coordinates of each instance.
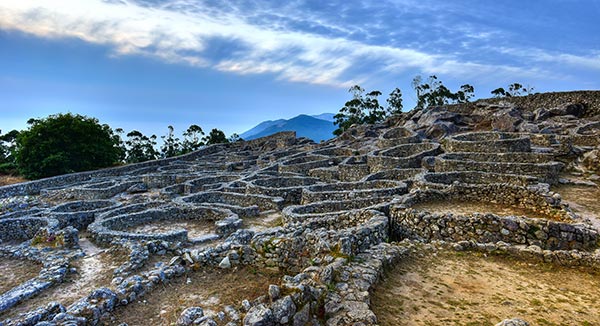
(329, 217)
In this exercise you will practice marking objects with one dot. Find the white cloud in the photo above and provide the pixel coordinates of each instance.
(180, 30)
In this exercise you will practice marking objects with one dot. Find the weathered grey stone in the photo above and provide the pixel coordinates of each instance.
(189, 315)
(225, 263)
(284, 310)
(513, 322)
(259, 315)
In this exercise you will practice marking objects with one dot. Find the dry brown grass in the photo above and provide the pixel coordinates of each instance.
(211, 288)
(584, 200)
(16, 271)
(471, 289)
(6, 180)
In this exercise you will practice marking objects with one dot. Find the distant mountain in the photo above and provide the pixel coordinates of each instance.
(304, 126)
(324, 116)
(261, 127)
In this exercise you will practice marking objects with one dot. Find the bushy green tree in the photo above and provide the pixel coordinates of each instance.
(215, 136)
(140, 148)
(435, 93)
(65, 143)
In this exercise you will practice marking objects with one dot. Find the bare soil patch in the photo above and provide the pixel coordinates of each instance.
(16, 271)
(93, 271)
(468, 207)
(583, 200)
(212, 289)
(265, 220)
(194, 228)
(456, 288)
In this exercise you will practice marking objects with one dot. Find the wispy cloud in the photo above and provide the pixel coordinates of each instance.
(303, 47)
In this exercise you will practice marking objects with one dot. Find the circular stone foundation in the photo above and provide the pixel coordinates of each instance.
(135, 225)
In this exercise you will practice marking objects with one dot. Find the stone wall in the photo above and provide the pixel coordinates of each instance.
(490, 228)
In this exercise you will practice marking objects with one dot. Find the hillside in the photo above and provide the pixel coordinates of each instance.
(445, 215)
(304, 126)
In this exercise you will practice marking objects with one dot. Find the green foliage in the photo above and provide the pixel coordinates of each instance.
(192, 139)
(365, 108)
(514, 89)
(8, 146)
(65, 143)
(360, 109)
(140, 148)
(171, 145)
(394, 102)
(9, 168)
(435, 93)
(215, 136)
(234, 138)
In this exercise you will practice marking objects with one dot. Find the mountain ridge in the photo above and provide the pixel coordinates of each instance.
(304, 125)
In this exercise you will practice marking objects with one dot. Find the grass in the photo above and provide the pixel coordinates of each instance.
(7, 179)
(16, 271)
(210, 288)
(468, 288)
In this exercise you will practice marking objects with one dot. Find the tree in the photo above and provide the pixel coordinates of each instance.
(435, 93)
(234, 138)
(140, 148)
(65, 143)
(215, 136)
(359, 110)
(171, 145)
(499, 92)
(7, 146)
(394, 102)
(192, 139)
(514, 89)
(7, 150)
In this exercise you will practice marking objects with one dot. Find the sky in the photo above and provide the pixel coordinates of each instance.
(231, 64)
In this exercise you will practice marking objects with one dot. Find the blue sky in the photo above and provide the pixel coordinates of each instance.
(145, 64)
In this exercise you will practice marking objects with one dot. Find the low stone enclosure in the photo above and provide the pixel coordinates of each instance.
(334, 216)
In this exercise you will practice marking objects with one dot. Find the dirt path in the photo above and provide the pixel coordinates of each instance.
(470, 289)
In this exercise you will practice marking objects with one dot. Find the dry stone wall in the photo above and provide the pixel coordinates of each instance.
(322, 213)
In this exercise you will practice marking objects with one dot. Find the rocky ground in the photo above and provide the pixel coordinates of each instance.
(465, 214)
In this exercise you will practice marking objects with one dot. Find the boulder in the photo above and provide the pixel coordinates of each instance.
(189, 315)
(507, 120)
(513, 322)
(284, 310)
(259, 316)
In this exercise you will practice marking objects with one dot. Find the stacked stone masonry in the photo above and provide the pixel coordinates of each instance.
(324, 214)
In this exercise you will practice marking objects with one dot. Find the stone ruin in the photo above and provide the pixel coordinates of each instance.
(332, 216)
